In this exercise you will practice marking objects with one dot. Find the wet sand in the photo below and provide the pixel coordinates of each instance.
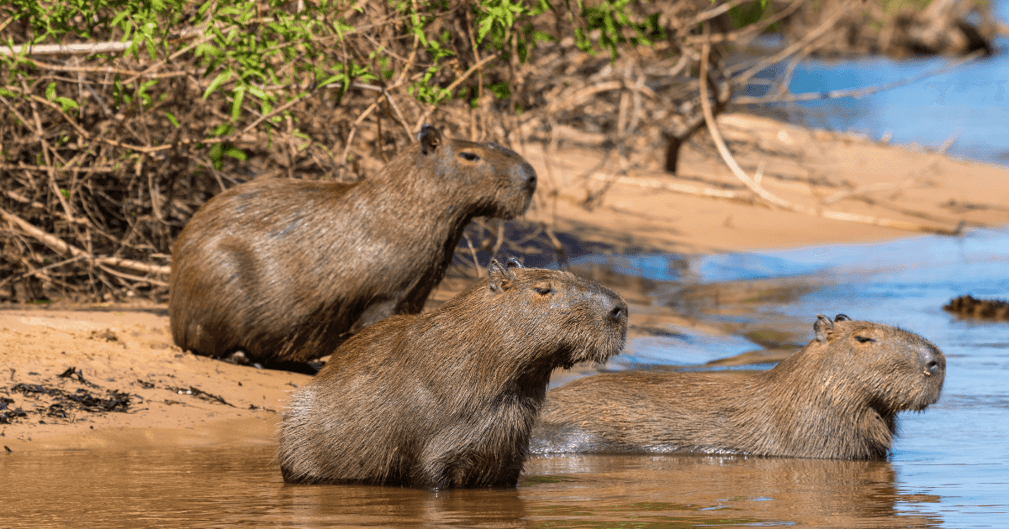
(180, 400)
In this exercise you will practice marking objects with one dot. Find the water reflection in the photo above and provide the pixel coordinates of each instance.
(728, 490)
(216, 487)
(350, 505)
(242, 487)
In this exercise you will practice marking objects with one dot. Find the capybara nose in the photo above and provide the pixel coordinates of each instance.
(934, 361)
(619, 311)
(530, 178)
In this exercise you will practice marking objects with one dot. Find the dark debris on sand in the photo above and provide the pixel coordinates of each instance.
(200, 394)
(61, 403)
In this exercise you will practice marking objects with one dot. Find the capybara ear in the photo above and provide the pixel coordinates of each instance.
(824, 328)
(501, 277)
(512, 262)
(430, 139)
(842, 317)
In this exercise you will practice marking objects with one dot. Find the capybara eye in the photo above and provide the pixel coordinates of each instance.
(469, 156)
(543, 290)
(864, 339)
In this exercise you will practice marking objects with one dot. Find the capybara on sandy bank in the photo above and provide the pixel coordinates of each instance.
(992, 309)
(285, 270)
(838, 397)
(447, 398)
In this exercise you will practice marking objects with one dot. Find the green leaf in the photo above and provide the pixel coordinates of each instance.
(236, 104)
(171, 117)
(215, 154)
(208, 49)
(500, 90)
(67, 104)
(333, 78)
(51, 91)
(259, 94)
(235, 152)
(485, 27)
(119, 18)
(223, 129)
(218, 81)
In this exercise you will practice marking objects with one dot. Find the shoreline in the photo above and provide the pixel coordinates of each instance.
(128, 348)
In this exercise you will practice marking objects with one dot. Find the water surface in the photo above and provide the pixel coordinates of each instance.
(968, 105)
(949, 467)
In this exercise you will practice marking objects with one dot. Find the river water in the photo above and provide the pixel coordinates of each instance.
(967, 106)
(949, 467)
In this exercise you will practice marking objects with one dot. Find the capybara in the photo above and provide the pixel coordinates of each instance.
(838, 397)
(993, 309)
(285, 269)
(447, 398)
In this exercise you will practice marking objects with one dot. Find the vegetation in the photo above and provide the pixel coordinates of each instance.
(121, 117)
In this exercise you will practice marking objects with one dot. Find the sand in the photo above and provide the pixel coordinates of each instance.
(179, 399)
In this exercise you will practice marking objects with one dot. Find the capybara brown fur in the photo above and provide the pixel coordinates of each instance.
(991, 309)
(838, 397)
(287, 269)
(447, 398)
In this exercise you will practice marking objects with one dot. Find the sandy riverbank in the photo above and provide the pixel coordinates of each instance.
(129, 349)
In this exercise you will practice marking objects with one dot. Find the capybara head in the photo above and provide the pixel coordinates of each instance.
(447, 398)
(490, 179)
(890, 369)
(538, 311)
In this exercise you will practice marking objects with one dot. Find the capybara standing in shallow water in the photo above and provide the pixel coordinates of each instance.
(838, 397)
(447, 398)
(285, 270)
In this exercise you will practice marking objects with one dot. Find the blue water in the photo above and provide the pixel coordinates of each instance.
(987, 250)
(957, 451)
(969, 104)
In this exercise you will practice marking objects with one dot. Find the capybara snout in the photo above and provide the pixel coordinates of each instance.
(934, 361)
(522, 173)
(608, 311)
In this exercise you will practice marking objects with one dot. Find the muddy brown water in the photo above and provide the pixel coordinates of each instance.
(209, 487)
(949, 467)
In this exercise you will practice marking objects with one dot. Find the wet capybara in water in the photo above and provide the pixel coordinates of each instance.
(447, 398)
(285, 270)
(838, 397)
